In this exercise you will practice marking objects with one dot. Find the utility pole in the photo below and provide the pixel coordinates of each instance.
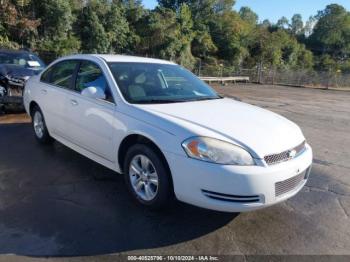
(221, 73)
(260, 65)
(200, 66)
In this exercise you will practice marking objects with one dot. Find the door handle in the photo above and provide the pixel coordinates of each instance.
(74, 102)
(44, 91)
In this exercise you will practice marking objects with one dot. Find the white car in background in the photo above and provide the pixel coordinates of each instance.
(168, 132)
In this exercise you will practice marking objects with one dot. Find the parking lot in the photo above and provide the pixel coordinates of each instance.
(55, 202)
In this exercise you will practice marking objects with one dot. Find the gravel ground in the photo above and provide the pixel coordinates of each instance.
(54, 202)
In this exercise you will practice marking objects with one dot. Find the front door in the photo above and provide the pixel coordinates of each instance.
(92, 120)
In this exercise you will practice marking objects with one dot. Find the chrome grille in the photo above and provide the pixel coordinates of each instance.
(284, 156)
(288, 185)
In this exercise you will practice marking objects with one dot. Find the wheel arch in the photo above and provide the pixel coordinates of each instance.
(32, 105)
(133, 139)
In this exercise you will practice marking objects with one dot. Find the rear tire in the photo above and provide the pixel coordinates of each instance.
(147, 177)
(39, 126)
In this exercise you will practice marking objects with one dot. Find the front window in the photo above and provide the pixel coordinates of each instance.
(26, 60)
(90, 74)
(61, 74)
(146, 83)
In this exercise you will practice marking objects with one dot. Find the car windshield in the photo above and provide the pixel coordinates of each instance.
(147, 83)
(21, 59)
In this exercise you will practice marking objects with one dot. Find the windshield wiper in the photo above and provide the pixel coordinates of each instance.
(168, 101)
(159, 101)
(205, 98)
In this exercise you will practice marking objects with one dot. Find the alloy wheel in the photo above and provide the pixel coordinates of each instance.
(143, 177)
(38, 123)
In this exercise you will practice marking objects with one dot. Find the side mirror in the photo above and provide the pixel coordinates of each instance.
(94, 92)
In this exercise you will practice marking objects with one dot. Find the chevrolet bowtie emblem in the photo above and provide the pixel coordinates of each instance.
(292, 153)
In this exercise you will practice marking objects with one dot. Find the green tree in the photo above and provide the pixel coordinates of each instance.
(331, 34)
(117, 28)
(199, 6)
(282, 23)
(134, 14)
(185, 37)
(55, 30)
(104, 27)
(266, 23)
(221, 6)
(228, 32)
(278, 49)
(326, 63)
(203, 14)
(248, 15)
(297, 25)
(134, 11)
(305, 59)
(158, 34)
(173, 4)
(309, 26)
(55, 15)
(203, 45)
(17, 26)
(96, 39)
(167, 34)
(185, 31)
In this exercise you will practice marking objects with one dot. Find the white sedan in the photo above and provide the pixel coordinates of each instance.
(168, 132)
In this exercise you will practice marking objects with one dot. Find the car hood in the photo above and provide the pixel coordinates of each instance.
(18, 71)
(260, 131)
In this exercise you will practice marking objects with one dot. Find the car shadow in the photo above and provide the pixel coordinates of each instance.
(55, 202)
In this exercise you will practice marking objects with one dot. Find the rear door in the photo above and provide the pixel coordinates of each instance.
(91, 121)
(55, 84)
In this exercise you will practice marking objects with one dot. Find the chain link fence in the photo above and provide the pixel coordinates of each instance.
(300, 78)
(305, 78)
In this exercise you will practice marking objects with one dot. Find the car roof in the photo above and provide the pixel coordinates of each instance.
(120, 58)
(132, 59)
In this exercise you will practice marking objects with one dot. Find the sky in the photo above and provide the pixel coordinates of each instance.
(275, 9)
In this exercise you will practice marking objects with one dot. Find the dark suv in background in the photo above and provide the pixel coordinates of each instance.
(16, 66)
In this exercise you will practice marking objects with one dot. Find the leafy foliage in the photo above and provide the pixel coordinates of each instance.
(331, 34)
(297, 25)
(248, 15)
(188, 32)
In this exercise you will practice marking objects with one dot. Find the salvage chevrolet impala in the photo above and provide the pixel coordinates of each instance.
(168, 133)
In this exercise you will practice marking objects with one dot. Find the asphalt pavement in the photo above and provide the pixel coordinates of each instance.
(55, 202)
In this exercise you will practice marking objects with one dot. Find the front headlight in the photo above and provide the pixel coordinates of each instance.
(217, 151)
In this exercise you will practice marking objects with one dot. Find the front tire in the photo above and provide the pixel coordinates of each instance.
(147, 177)
(39, 126)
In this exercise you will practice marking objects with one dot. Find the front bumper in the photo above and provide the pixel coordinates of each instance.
(18, 100)
(237, 188)
(13, 95)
